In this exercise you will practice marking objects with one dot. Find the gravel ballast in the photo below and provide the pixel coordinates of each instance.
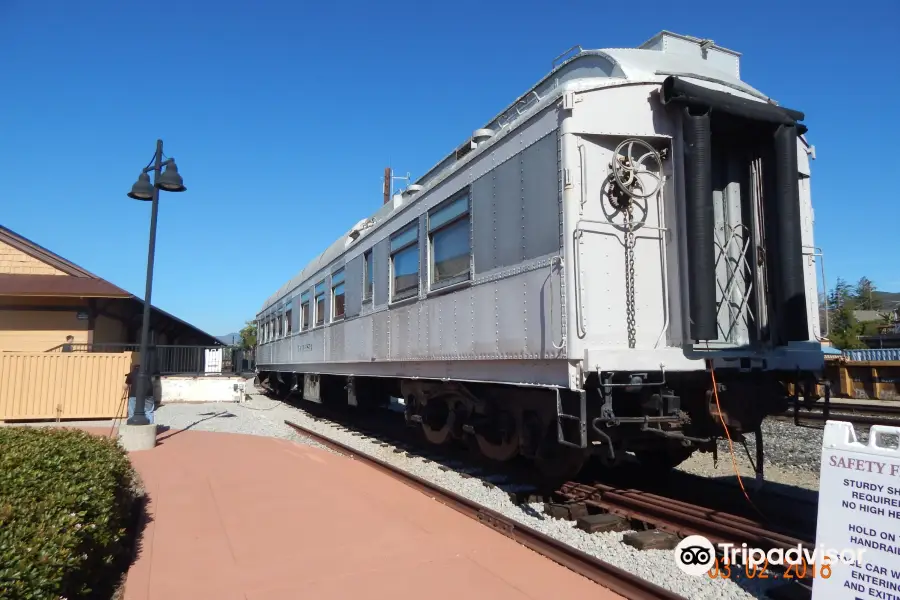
(230, 417)
(792, 454)
(263, 416)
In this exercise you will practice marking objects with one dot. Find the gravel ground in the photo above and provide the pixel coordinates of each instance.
(263, 416)
(257, 417)
(792, 455)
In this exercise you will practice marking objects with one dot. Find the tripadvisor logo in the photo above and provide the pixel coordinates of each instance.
(696, 555)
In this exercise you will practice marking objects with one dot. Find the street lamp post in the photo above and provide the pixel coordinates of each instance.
(170, 181)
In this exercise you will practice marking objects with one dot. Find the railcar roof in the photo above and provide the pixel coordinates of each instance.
(662, 55)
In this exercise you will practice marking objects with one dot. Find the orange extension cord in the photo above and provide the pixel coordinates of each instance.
(712, 373)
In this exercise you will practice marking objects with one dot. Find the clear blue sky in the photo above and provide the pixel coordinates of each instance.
(282, 116)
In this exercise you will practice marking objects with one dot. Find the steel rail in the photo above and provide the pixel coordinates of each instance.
(844, 407)
(678, 517)
(858, 414)
(611, 577)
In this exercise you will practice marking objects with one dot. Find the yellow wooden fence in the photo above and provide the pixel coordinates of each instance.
(861, 379)
(62, 385)
(875, 380)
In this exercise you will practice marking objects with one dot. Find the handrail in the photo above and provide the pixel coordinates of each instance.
(576, 266)
(583, 173)
(580, 50)
(553, 260)
(817, 252)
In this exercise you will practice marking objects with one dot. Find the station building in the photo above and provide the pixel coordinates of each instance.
(44, 298)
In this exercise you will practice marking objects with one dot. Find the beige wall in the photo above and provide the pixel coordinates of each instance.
(39, 330)
(108, 331)
(13, 261)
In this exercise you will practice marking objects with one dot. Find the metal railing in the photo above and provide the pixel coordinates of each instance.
(73, 347)
(202, 360)
(873, 355)
(181, 360)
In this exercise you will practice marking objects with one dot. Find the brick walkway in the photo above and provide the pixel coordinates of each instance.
(253, 518)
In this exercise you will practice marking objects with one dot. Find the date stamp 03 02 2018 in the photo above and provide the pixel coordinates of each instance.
(695, 555)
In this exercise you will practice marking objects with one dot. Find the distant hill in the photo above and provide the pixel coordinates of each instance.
(230, 338)
(888, 299)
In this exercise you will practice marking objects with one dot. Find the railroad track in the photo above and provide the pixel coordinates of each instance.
(679, 518)
(602, 573)
(708, 495)
(576, 499)
(860, 414)
(703, 498)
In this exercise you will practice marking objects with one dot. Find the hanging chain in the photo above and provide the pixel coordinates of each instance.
(629, 273)
(625, 193)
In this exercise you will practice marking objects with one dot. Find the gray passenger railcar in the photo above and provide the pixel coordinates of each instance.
(572, 279)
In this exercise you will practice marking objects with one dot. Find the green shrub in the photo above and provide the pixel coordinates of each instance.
(66, 500)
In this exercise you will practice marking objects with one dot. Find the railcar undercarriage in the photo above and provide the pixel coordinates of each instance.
(659, 419)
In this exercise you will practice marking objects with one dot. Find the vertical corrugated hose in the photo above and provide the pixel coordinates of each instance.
(700, 224)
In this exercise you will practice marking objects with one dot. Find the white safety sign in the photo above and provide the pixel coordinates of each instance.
(859, 509)
(213, 360)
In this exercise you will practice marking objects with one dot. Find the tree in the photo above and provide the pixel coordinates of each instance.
(248, 336)
(844, 329)
(865, 295)
(841, 295)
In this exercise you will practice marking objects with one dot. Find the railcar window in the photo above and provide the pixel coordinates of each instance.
(304, 311)
(337, 294)
(277, 322)
(288, 313)
(405, 263)
(448, 233)
(320, 303)
(369, 276)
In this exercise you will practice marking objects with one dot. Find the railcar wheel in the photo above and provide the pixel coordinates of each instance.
(437, 427)
(556, 462)
(497, 438)
(497, 449)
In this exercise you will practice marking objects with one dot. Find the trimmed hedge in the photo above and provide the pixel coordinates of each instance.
(66, 502)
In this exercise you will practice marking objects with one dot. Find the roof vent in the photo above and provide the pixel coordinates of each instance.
(482, 135)
(465, 149)
(702, 48)
(360, 227)
(397, 200)
(411, 189)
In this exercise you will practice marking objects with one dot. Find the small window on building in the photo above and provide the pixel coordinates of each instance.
(304, 311)
(405, 263)
(337, 295)
(320, 303)
(450, 247)
(288, 315)
(368, 276)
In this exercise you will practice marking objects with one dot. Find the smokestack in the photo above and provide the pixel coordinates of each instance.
(387, 185)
